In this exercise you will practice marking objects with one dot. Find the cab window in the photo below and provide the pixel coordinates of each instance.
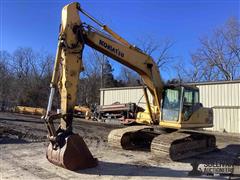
(171, 104)
(190, 100)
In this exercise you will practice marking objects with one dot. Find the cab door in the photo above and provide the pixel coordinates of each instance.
(171, 105)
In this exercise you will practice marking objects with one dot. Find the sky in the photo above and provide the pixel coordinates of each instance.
(35, 23)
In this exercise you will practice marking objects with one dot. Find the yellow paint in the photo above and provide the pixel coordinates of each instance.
(29, 110)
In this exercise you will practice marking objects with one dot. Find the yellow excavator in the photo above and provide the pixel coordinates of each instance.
(175, 107)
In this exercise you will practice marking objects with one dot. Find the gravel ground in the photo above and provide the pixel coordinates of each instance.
(23, 143)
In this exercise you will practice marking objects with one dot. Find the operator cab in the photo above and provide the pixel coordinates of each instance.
(178, 105)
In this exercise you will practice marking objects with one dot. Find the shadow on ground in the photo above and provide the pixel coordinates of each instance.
(119, 169)
(230, 153)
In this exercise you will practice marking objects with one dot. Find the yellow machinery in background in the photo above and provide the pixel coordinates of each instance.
(83, 112)
(175, 108)
(80, 111)
(30, 110)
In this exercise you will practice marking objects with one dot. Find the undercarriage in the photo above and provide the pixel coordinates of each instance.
(176, 145)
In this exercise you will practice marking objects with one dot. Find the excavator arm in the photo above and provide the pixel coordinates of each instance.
(68, 64)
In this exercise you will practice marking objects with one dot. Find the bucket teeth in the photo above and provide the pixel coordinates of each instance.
(73, 155)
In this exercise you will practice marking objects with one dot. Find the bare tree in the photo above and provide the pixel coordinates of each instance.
(159, 50)
(31, 76)
(6, 80)
(128, 77)
(218, 57)
(92, 78)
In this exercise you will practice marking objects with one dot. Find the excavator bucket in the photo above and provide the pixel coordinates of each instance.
(73, 155)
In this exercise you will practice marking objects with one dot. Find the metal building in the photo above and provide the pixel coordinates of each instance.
(222, 96)
(124, 95)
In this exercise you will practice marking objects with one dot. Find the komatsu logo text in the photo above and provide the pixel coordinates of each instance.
(116, 51)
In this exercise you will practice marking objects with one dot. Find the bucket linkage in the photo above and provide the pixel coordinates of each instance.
(67, 149)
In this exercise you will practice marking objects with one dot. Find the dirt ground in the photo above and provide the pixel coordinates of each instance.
(23, 143)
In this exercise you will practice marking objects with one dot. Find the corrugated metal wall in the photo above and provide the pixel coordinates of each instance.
(226, 119)
(219, 94)
(223, 97)
(124, 95)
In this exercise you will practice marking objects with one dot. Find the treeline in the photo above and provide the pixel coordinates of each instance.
(25, 77)
(25, 74)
